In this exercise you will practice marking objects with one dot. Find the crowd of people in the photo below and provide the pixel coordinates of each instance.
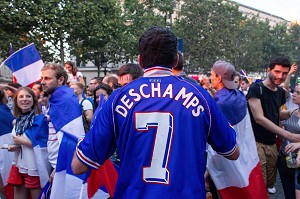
(170, 135)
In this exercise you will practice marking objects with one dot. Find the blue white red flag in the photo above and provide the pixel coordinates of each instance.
(38, 135)
(65, 113)
(25, 64)
(243, 177)
(243, 73)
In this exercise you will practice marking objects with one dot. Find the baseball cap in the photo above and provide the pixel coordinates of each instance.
(226, 71)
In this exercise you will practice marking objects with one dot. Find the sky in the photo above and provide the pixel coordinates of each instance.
(287, 9)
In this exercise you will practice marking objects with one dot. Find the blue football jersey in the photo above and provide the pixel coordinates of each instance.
(160, 126)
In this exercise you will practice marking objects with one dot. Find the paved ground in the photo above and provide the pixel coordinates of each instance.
(279, 191)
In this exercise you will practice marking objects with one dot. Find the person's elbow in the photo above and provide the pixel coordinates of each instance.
(235, 155)
(78, 167)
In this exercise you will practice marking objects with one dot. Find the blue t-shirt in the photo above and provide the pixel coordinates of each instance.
(160, 126)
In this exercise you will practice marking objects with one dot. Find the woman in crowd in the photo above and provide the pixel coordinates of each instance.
(102, 89)
(73, 73)
(30, 170)
(289, 176)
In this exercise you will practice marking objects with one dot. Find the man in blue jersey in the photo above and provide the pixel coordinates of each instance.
(160, 124)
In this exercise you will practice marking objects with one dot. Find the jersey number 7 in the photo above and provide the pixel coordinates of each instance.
(163, 122)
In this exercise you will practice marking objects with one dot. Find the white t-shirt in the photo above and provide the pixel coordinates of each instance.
(75, 78)
(53, 143)
(86, 104)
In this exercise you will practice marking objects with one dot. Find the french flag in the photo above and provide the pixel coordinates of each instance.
(38, 135)
(25, 64)
(243, 177)
(6, 157)
(65, 115)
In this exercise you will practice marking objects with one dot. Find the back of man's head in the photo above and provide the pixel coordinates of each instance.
(158, 47)
(133, 69)
(281, 60)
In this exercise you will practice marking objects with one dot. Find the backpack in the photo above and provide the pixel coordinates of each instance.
(86, 123)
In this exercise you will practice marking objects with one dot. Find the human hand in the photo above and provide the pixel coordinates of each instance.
(292, 147)
(19, 139)
(293, 69)
(13, 147)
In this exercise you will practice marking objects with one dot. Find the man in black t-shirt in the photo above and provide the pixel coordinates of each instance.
(264, 101)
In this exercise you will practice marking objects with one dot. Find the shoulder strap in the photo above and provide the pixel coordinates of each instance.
(82, 101)
(294, 111)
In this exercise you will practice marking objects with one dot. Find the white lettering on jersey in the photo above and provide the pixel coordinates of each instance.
(142, 91)
(157, 172)
(155, 89)
(189, 99)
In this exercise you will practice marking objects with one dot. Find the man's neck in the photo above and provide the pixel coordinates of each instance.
(267, 83)
(80, 97)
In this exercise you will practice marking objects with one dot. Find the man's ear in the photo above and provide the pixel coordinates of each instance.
(177, 60)
(140, 61)
(269, 69)
(61, 80)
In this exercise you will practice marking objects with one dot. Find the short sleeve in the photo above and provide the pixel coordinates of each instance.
(99, 143)
(254, 91)
(87, 105)
(79, 74)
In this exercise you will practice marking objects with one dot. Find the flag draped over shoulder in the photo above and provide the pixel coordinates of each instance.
(243, 177)
(38, 135)
(65, 115)
(25, 64)
(6, 127)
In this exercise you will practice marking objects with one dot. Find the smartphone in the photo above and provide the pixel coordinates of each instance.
(4, 146)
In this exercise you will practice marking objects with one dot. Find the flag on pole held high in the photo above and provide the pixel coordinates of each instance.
(25, 64)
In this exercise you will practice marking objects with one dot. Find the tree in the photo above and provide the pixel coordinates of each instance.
(209, 29)
(18, 20)
(138, 16)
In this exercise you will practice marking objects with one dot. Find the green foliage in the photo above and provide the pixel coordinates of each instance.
(209, 30)
(108, 31)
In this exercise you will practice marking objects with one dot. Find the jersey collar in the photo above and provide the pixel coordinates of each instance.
(157, 71)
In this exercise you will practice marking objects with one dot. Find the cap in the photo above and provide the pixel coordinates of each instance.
(227, 72)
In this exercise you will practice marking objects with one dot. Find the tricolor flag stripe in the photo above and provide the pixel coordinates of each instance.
(25, 64)
(241, 178)
(30, 73)
(23, 58)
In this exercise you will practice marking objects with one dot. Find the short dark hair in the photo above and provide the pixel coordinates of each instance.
(245, 79)
(133, 69)
(158, 46)
(97, 79)
(179, 65)
(281, 60)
